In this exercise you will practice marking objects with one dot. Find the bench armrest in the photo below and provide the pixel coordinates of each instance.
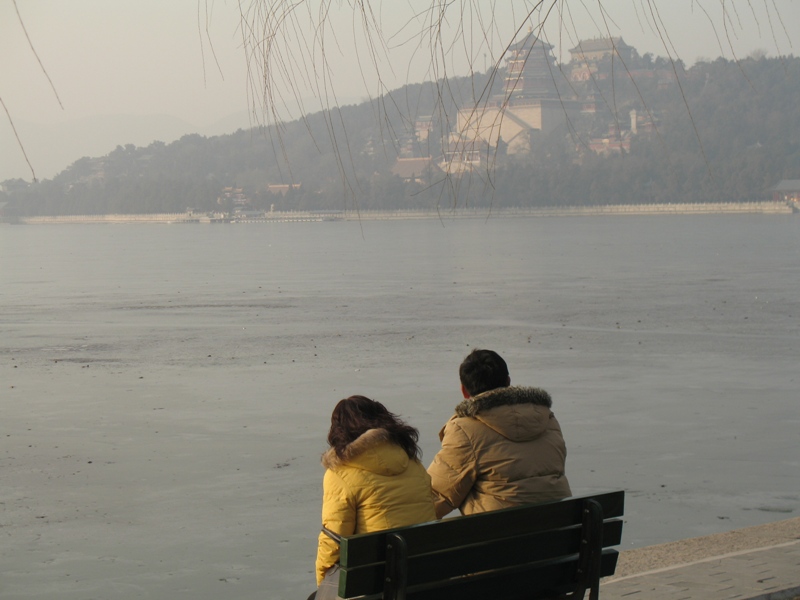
(331, 534)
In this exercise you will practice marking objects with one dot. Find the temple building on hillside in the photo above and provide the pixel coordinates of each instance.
(787, 190)
(233, 197)
(422, 128)
(588, 53)
(420, 169)
(529, 105)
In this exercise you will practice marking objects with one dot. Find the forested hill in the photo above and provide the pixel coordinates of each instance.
(723, 131)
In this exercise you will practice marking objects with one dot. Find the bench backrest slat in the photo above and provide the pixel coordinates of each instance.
(546, 580)
(485, 556)
(539, 540)
(459, 531)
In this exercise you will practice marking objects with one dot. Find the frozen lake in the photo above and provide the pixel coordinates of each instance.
(166, 390)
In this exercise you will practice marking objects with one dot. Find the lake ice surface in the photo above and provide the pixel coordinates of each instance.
(166, 390)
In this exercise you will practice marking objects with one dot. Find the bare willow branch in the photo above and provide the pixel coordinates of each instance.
(30, 43)
(200, 32)
(19, 141)
(50, 81)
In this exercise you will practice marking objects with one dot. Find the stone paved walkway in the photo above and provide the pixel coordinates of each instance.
(761, 562)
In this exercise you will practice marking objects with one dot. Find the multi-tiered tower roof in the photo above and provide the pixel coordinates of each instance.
(530, 69)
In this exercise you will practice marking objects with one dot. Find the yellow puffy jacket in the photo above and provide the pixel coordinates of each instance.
(374, 486)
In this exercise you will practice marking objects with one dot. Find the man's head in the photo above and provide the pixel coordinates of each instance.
(481, 371)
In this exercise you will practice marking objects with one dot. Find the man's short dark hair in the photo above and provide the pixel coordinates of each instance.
(483, 370)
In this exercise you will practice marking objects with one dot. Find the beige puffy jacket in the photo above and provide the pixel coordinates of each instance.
(374, 486)
(502, 448)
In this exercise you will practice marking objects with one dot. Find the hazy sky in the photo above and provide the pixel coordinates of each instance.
(184, 59)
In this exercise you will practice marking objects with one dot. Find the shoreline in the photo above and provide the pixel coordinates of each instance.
(768, 208)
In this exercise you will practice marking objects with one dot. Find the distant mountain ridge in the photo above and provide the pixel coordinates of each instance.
(52, 147)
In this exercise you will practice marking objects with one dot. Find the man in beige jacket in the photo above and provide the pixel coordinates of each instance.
(503, 446)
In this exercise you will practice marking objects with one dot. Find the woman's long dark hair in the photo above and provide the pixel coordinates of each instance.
(355, 415)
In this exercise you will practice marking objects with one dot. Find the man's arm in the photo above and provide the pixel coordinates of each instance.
(453, 470)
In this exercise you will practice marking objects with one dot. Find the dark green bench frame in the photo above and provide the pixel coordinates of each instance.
(551, 550)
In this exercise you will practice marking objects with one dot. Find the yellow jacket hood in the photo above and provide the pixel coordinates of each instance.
(373, 451)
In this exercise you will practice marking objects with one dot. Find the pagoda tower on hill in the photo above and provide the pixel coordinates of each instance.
(528, 107)
(530, 70)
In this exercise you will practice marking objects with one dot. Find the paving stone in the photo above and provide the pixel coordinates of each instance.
(763, 573)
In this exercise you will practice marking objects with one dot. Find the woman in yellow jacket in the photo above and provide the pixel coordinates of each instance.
(374, 480)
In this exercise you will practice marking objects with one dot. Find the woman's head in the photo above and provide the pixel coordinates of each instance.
(353, 416)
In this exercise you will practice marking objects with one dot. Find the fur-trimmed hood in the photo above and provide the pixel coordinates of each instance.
(505, 396)
(372, 451)
(517, 413)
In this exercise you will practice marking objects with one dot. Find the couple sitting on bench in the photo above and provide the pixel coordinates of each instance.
(502, 448)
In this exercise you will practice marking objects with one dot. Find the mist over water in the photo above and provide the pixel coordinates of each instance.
(166, 390)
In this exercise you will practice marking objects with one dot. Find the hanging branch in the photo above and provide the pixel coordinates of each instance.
(53, 87)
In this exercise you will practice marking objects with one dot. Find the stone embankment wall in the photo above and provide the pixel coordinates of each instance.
(567, 211)
(152, 218)
(448, 213)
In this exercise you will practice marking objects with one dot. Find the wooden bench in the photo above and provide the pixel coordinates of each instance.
(551, 550)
